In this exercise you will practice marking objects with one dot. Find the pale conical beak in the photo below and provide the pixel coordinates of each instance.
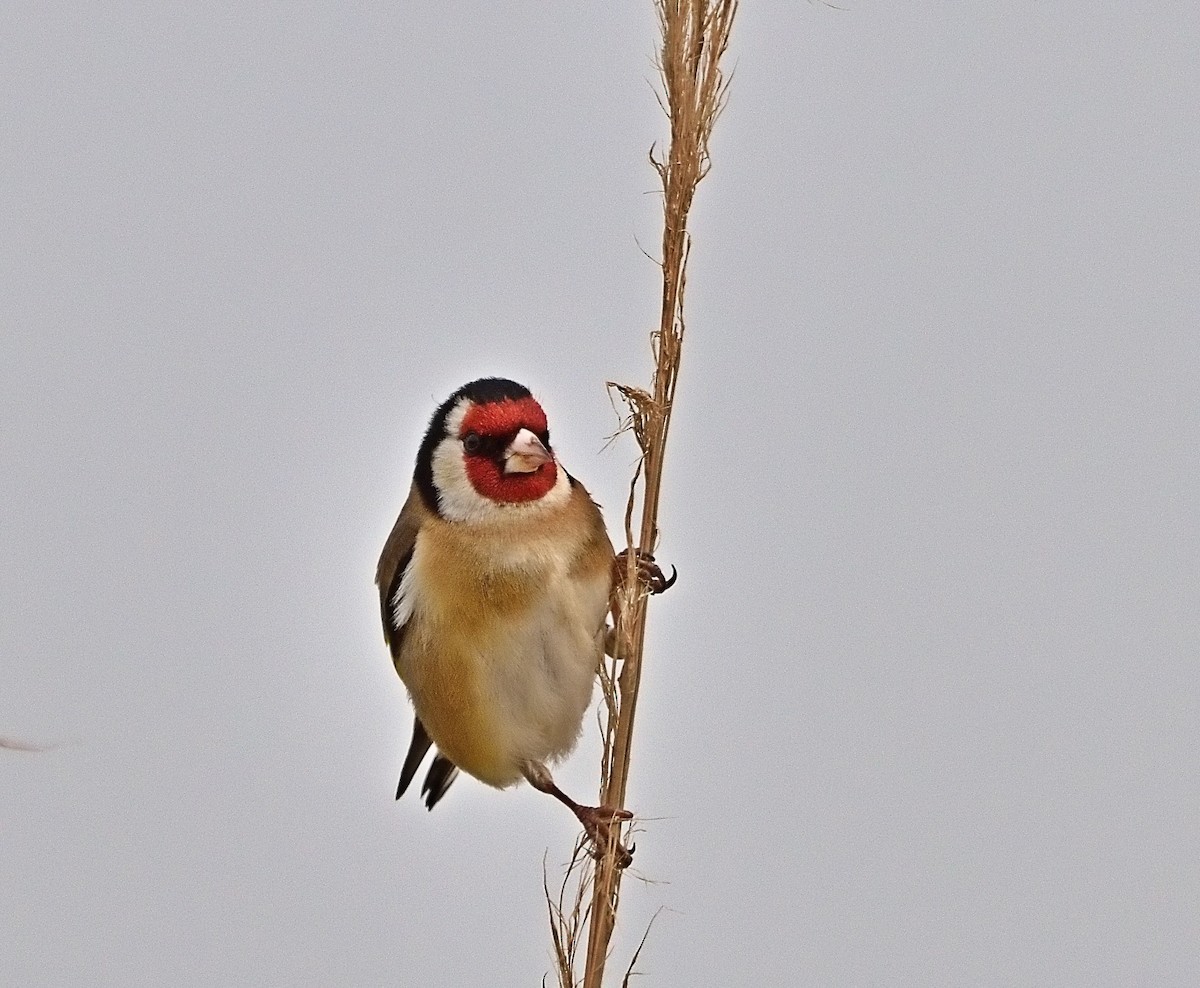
(525, 453)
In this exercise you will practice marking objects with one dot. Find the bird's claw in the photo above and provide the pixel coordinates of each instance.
(649, 574)
(602, 824)
(657, 582)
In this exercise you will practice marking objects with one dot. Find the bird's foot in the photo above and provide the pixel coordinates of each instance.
(602, 824)
(649, 574)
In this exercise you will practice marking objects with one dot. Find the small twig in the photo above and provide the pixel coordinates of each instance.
(629, 971)
(12, 744)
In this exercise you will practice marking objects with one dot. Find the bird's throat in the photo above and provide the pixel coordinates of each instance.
(490, 481)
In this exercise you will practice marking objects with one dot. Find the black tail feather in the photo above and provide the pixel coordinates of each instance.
(416, 751)
(441, 773)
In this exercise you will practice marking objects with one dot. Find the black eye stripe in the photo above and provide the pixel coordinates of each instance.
(490, 446)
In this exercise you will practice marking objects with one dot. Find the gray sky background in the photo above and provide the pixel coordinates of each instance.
(923, 707)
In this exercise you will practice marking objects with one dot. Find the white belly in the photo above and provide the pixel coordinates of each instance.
(541, 675)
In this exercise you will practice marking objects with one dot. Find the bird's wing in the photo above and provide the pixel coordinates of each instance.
(397, 554)
(395, 611)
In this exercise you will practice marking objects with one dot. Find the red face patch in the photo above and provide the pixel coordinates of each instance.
(503, 420)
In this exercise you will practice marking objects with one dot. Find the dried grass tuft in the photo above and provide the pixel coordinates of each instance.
(569, 912)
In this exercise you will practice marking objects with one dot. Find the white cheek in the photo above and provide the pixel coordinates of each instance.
(560, 492)
(458, 499)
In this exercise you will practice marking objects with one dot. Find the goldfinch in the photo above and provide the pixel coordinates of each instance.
(494, 587)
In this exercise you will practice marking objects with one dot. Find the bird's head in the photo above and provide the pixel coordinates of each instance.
(487, 454)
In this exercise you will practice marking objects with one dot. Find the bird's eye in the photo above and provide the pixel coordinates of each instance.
(472, 444)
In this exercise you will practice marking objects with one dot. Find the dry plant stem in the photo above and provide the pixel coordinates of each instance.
(695, 35)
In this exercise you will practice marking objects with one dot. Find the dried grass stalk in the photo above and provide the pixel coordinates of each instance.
(694, 37)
